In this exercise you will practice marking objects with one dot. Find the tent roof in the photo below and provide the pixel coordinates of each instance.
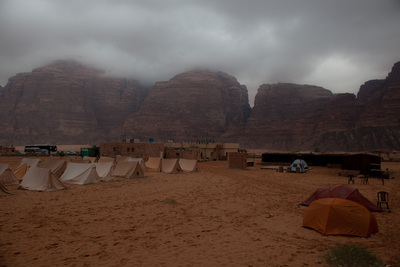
(153, 163)
(7, 176)
(41, 179)
(30, 162)
(80, 173)
(170, 166)
(128, 169)
(343, 192)
(336, 216)
(188, 165)
(104, 170)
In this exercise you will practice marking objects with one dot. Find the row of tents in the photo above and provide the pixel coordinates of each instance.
(53, 174)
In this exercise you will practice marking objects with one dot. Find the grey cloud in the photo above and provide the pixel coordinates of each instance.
(335, 44)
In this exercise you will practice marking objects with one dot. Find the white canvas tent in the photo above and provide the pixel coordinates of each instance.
(80, 160)
(105, 159)
(57, 166)
(24, 166)
(170, 166)
(92, 159)
(21, 171)
(31, 162)
(80, 173)
(122, 158)
(130, 159)
(105, 170)
(126, 169)
(7, 176)
(188, 165)
(41, 179)
(153, 164)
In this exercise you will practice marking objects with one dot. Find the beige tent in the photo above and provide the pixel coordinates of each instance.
(188, 165)
(126, 169)
(79, 160)
(170, 166)
(7, 176)
(41, 179)
(141, 163)
(105, 170)
(80, 173)
(130, 159)
(21, 171)
(153, 164)
(31, 162)
(122, 158)
(57, 166)
(4, 191)
(106, 159)
(92, 159)
(24, 166)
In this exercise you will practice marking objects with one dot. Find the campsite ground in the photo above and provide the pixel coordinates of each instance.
(215, 217)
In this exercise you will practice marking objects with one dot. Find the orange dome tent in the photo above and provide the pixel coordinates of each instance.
(342, 191)
(336, 216)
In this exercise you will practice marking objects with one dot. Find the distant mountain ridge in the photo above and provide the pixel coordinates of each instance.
(68, 103)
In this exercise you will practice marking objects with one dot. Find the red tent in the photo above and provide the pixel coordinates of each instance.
(344, 192)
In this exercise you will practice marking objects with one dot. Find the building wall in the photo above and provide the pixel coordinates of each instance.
(183, 154)
(237, 160)
(135, 150)
(199, 151)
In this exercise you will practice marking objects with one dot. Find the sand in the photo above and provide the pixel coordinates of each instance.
(215, 217)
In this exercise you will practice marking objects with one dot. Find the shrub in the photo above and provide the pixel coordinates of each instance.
(351, 256)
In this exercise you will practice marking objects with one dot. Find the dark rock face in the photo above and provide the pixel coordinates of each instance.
(191, 106)
(65, 103)
(283, 119)
(283, 115)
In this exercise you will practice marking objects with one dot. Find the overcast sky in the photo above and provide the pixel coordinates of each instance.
(336, 44)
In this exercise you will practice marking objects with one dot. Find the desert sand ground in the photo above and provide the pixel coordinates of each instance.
(215, 217)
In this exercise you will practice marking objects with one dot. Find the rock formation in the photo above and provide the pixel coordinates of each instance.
(191, 106)
(284, 116)
(283, 119)
(65, 102)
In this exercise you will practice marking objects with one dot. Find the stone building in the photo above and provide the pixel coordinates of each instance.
(135, 150)
(201, 150)
(187, 150)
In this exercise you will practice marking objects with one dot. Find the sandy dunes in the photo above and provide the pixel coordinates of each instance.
(215, 217)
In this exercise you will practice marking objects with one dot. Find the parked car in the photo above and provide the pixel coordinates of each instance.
(69, 152)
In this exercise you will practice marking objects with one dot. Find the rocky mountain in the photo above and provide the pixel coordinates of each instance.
(283, 115)
(65, 102)
(191, 106)
(292, 117)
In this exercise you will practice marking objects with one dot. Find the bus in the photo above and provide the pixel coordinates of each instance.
(43, 149)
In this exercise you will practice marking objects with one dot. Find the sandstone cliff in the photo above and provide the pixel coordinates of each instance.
(191, 106)
(65, 102)
(283, 119)
(284, 115)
